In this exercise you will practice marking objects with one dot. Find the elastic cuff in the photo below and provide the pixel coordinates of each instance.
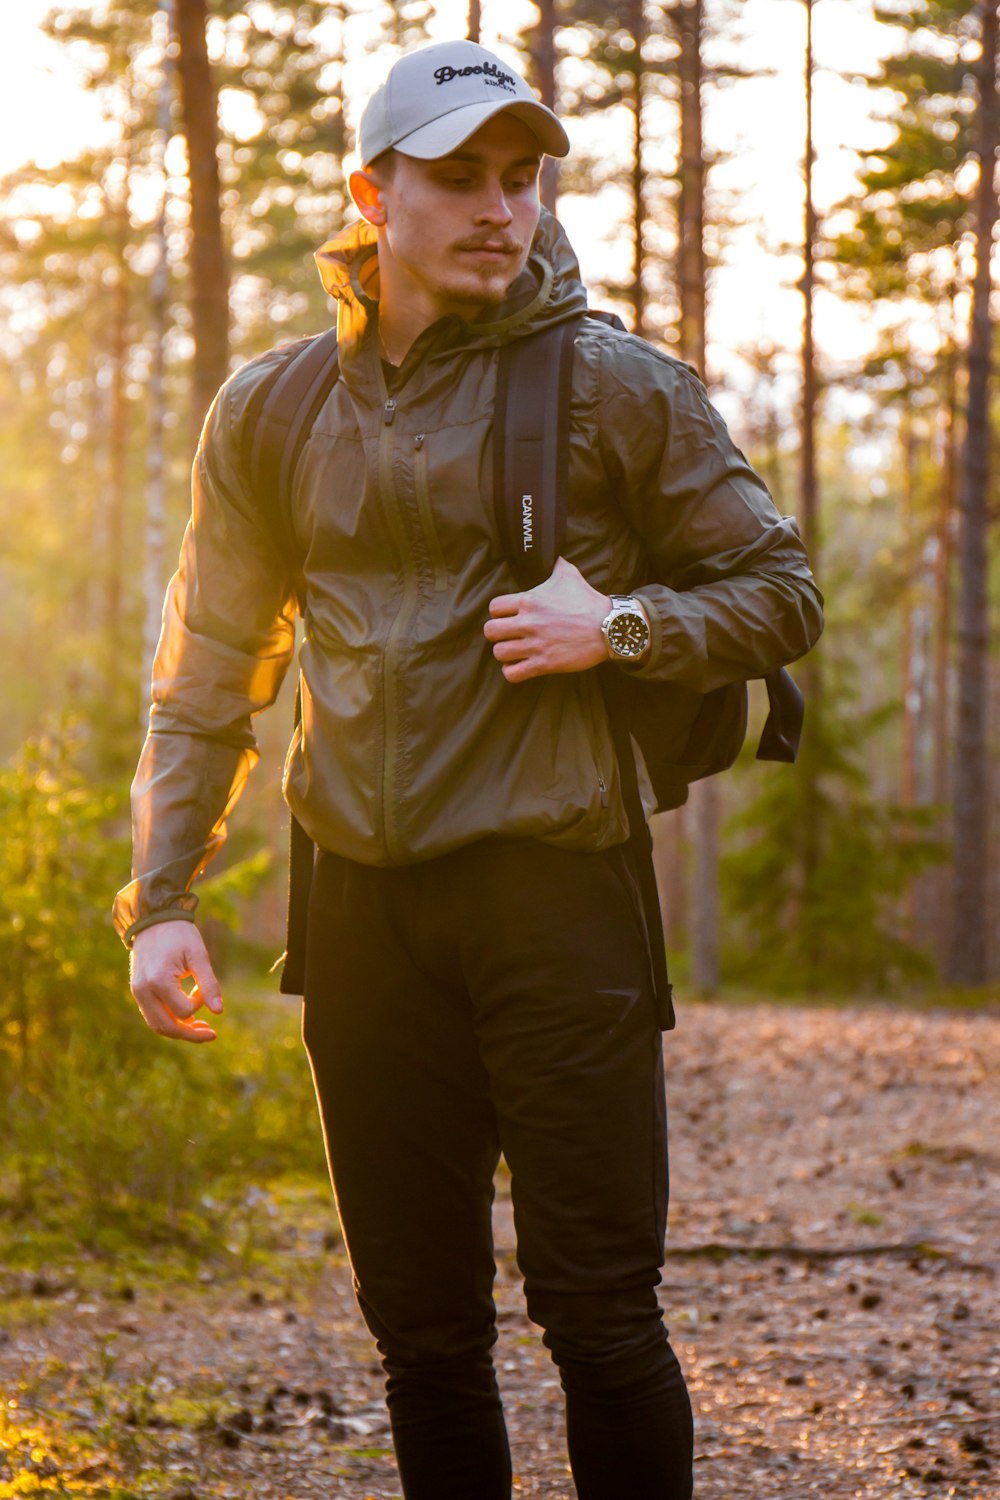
(169, 914)
(649, 665)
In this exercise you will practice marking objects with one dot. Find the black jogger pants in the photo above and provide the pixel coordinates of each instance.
(499, 999)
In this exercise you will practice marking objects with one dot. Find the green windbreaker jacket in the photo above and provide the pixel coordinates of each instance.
(412, 742)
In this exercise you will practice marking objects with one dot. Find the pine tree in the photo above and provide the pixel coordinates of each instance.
(905, 246)
(969, 956)
(78, 313)
(687, 18)
(910, 242)
(541, 48)
(208, 266)
(631, 63)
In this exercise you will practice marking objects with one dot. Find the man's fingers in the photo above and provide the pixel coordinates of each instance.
(161, 1018)
(505, 604)
(534, 663)
(163, 957)
(520, 671)
(206, 985)
(505, 629)
(184, 1031)
(511, 650)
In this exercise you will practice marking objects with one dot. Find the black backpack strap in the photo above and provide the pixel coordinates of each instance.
(279, 418)
(531, 448)
(779, 739)
(531, 481)
(618, 702)
(301, 861)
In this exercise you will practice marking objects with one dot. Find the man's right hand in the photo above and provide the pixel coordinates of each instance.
(162, 957)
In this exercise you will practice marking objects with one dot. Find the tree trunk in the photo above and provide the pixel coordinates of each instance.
(637, 295)
(208, 269)
(907, 677)
(689, 21)
(669, 860)
(809, 523)
(117, 440)
(938, 879)
(809, 499)
(156, 471)
(943, 557)
(704, 804)
(970, 903)
(909, 672)
(544, 58)
(475, 17)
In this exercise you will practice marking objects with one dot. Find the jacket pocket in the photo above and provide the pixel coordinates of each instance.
(598, 734)
(426, 510)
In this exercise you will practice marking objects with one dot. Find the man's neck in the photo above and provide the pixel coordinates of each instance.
(406, 308)
(400, 323)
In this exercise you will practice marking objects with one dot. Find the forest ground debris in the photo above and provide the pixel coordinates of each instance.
(825, 1356)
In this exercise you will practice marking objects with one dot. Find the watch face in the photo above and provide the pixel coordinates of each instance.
(628, 634)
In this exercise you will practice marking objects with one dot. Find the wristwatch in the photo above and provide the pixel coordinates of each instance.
(625, 629)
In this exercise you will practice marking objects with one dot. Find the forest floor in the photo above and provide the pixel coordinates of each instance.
(831, 1290)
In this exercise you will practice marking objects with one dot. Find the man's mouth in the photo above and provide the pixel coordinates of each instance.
(490, 249)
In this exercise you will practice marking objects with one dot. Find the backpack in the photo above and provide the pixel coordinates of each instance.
(682, 735)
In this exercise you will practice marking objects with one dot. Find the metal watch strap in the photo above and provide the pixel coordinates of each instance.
(622, 604)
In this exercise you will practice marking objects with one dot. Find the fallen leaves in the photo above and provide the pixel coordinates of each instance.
(831, 1291)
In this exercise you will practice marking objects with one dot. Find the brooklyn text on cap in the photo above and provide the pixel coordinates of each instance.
(436, 97)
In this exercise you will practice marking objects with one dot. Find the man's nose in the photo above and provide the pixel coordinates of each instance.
(493, 207)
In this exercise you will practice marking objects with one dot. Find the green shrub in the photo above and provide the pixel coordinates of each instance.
(110, 1132)
(819, 867)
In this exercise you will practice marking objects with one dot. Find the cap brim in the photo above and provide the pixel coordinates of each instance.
(450, 131)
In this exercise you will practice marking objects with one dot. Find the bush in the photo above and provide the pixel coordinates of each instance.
(111, 1131)
(820, 867)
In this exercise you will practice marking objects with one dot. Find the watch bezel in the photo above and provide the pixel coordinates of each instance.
(620, 607)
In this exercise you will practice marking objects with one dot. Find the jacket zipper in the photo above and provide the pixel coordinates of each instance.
(390, 693)
(423, 492)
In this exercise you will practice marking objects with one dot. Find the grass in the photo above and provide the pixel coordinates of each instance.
(222, 1179)
(985, 998)
(279, 1253)
(865, 1216)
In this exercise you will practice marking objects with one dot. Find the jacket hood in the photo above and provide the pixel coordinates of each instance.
(549, 289)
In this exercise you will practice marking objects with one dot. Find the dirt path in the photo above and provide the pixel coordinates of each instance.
(831, 1289)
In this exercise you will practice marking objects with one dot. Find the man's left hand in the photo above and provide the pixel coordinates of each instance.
(554, 627)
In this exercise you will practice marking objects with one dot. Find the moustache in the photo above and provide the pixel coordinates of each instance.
(492, 242)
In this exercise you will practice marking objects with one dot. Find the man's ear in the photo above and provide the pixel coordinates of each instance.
(367, 195)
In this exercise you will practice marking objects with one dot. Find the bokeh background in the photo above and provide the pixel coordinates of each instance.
(790, 196)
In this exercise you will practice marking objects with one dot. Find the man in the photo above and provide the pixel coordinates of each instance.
(478, 974)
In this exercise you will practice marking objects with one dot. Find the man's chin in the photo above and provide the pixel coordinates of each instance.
(488, 286)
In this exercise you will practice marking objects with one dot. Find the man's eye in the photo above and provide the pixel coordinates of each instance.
(457, 182)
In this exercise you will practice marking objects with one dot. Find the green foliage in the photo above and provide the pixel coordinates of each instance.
(221, 896)
(625, 61)
(113, 1133)
(916, 202)
(281, 67)
(59, 860)
(821, 865)
(77, 253)
(75, 243)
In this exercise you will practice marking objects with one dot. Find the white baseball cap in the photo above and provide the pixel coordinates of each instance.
(436, 97)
